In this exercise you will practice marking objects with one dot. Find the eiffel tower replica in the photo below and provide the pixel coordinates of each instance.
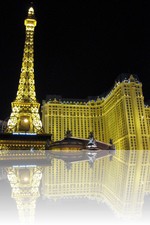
(24, 124)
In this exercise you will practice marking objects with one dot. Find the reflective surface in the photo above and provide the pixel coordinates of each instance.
(67, 187)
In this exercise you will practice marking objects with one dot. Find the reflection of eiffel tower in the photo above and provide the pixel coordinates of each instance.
(25, 184)
(25, 109)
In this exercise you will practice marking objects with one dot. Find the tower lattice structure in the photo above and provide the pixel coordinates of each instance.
(25, 115)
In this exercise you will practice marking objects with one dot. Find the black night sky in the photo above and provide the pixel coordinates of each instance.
(80, 47)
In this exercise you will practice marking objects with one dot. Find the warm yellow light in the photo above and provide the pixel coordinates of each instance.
(31, 10)
(26, 120)
(25, 179)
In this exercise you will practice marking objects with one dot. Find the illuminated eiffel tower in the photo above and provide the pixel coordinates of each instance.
(25, 115)
(24, 130)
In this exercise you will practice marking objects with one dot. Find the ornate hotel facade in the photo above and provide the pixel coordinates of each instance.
(121, 116)
(121, 182)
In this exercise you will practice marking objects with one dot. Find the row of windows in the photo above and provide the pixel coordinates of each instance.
(117, 122)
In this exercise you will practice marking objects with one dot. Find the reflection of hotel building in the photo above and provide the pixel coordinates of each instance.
(125, 182)
(121, 116)
(80, 181)
(121, 183)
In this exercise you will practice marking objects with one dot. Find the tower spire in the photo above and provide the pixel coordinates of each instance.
(25, 109)
(26, 88)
